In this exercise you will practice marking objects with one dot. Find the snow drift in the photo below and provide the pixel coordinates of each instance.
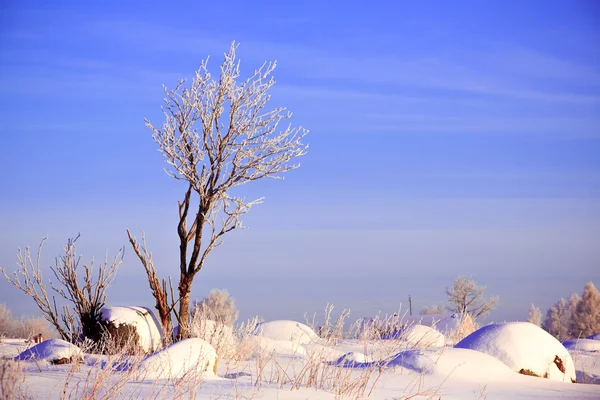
(287, 331)
(421, 336)
(525, 348)
(54, 351)
(582, 344)
(188, 357)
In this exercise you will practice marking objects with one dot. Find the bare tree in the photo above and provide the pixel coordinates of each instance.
(466, 297)
(535, 315)
(217, 136)
(86, 298)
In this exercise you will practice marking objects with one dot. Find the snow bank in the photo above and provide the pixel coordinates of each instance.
(594, 337)
(525, 348)
(142, 319)
(582, 344)
(287, 330)
(422, 336)
(191, 356)
(353, 358)
(53, 351)
(279, 347)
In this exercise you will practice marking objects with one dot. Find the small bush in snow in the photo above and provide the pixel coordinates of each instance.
(219, 336)
(218, 306)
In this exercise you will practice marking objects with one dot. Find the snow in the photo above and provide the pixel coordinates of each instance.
(522, 345)
(286, 330)
(51, 350)
(582, 344)
(422, 336)
(143, 319)
(594, 337)
(318, 370)
(281, 347)
(220, 336)
(190, 356)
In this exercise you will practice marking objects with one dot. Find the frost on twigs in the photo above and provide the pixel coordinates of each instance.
(217, 135)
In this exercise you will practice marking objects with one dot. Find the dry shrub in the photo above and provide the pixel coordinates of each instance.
(11, 380)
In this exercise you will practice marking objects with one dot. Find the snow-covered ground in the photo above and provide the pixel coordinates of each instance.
(291, 362)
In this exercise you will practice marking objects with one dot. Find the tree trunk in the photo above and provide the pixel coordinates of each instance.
(185, 287)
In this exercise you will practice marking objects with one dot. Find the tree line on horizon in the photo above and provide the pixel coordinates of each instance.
(575, 318)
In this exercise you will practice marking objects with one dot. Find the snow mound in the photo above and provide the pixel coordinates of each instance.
(279, 347)
(353, 358)
(220, 336)
(190, 357)
(52, 351)
(525, 348)
(594, 337)
(142, 319)
(422, 336)
(582, 344)
(287, 330)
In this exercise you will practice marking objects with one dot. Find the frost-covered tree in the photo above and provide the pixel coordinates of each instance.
(535, 315)
(585, 321)
(218, 306)
(467, 297)
(571, 310)
(556, 322)
(433, 309)
(217, 135)
(83, 287)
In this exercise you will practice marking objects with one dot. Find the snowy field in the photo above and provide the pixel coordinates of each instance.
(288, 360)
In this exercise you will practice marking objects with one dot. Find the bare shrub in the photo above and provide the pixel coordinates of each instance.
(86, 298)
(220, 336)
(11, 380)
(218, 306)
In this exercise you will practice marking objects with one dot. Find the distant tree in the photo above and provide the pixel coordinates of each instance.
(466, 297)
(218, 306)
(571, 311)
(85, 296)
(217, 135)
(557, 318)
(585, 321)
(6, 321)
(433, 309)
(535, 315)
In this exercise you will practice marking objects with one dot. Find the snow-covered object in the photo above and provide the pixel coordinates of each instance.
(143, 319)
(190, 356)
(525, 348)
(287, 330)
(353, 358)
(279, 347)
(422, 336)
(582, 344)
(220, 336)
(594, 337)
(52, 350)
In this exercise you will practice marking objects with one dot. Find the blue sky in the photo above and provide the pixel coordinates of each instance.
(446, 138)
